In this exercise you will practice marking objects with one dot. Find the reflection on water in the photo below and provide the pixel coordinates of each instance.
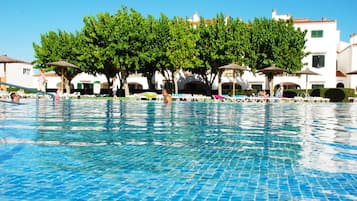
(313, 134)
(327, 141)
(184, 140)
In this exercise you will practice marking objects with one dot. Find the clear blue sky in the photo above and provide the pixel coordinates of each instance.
(23, 21)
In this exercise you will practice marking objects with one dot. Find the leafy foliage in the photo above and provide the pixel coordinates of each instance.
(128, 42)
(276, 42)
(56, 46)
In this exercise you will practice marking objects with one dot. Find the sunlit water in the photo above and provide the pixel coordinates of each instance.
(128, 150)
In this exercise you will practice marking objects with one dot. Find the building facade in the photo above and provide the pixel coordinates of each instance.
(322, 40)
(17, 74)
(347, 62)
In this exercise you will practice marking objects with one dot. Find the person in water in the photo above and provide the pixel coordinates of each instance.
(42, 81)
(167, 96)
(15, 97)
(114, 87)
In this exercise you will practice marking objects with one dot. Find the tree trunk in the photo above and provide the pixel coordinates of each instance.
(270, 83)
(126, 88)
(220, 83)
(108, 81)
(67, 85)
(175, 82)
(149, 78)
(124, 80)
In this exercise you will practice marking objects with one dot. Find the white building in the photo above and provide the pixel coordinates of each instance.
(82, 81)
(322, 42)
(347, 62)
(17, 74)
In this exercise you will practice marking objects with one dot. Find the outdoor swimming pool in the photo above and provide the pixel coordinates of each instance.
(133, 150)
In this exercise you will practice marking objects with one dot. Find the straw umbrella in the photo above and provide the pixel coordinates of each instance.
(270, 72)
(352, 72)
(306, 72)
(62, 64)
(233, 67)
(4, 59)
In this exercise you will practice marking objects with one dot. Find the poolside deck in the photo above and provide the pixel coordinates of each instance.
(241, 99)
(201, 98)
(274, 99)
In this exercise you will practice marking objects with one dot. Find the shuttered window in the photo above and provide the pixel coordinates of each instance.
(317, 34)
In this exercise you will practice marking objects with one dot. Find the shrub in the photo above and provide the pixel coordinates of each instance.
(315, 93)
(335, 95)
(289, 93)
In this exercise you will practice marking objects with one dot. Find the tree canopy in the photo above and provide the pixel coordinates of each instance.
(127, 42)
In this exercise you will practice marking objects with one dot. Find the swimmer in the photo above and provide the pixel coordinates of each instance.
(167, 96)
(15, 97)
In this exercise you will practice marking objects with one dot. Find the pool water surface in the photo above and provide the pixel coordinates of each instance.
(146, 150)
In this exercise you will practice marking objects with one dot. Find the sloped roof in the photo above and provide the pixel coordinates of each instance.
(340, 74)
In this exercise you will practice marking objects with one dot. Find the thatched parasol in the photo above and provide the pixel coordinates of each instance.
(233, 67)
(306, 72)
(270, 72)
(62, 64)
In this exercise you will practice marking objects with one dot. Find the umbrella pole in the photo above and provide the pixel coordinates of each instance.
(62, 81)
(234, 84)
(306, 87)
(220, 83)
(5, 88)
(270, 85)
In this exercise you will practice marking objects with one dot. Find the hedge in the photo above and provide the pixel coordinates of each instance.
(334, 94)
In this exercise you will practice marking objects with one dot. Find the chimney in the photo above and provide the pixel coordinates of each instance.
(273, 13)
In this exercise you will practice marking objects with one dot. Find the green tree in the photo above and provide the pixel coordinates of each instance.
(162, 40)
(126, 43)
(181, 50)
(153, 53)
(148, 51)
(113, 44)
(237, 41)
(222, 41)
(97, 52)
(127, 40)
(56, 46)
(276, 42)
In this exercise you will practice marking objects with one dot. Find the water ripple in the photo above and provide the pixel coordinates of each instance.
(284, 149)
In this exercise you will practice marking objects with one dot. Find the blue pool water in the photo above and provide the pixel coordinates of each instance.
(128, 150)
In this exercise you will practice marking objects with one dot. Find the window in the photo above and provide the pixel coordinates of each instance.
(317, 86)
(317, 34)
(26, 71)
(257, 87)
(318, 61)
(340, 85)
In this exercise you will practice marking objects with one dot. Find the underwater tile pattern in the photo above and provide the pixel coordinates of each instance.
(143, 150)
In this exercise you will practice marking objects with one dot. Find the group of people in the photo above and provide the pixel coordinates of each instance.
(278, 92)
